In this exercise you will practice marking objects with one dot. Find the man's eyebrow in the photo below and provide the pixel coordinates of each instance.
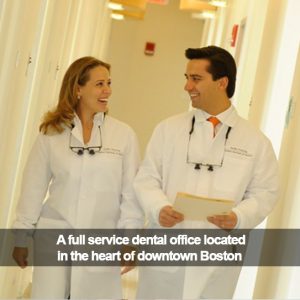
(193, 75)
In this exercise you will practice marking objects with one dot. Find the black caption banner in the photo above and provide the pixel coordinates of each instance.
(154, 247)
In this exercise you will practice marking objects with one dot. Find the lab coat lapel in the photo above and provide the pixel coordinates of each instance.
(216, 147)
(203, 147)
(77, 130)
(232, 119)
(200, 141)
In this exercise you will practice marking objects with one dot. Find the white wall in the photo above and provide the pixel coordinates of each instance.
(283, 282)
(147, 89)
(52, 33)
(265, 71)
(250, 14)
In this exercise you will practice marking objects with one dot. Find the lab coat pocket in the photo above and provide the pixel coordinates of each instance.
(231, 180)
(110, 164)
(105, 171)
(48, 223)
(45, 241)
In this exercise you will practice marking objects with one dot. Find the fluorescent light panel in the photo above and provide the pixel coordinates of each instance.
(203, 15)
(117, 16)
(218, 3)
(115, 6)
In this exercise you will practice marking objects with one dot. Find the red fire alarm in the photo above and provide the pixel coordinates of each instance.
(149, 48)
(234, 32)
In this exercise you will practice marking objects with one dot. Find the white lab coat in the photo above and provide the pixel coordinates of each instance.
(248, 176)
(87, 191)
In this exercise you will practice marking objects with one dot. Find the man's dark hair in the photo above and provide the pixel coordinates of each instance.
(221, 64)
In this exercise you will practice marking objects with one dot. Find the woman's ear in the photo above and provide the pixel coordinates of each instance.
(78, 91)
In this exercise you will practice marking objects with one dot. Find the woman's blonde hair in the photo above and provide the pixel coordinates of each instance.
(77, 75)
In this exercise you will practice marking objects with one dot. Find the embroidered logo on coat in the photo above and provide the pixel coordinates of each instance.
(239, 151)
(111, 151)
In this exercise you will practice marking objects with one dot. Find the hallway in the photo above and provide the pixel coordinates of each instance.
(41, 38)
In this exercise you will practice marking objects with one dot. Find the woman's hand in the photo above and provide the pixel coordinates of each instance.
(128, 265)
(20, 255)
(126, 269)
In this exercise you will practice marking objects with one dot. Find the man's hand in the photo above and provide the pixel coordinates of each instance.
(20, 255)
(168, 217)
(227, 221)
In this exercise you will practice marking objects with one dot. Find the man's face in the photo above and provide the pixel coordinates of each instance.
(203, 90)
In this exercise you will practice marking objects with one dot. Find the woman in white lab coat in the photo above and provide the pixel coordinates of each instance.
(86, 161)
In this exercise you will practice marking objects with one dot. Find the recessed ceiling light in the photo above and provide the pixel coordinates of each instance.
(115, 6)
(117, 16)
(218, 3)
(203, 15)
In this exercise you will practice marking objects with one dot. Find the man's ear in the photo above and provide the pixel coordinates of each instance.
(223, 83)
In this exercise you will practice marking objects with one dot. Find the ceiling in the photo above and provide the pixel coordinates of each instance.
(137, 8)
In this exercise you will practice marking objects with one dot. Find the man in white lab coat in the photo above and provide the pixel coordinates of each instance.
(212, 152)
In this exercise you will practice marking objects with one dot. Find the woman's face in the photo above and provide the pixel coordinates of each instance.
(95, 93)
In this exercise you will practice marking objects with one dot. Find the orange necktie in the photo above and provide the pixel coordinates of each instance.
(215, 121)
